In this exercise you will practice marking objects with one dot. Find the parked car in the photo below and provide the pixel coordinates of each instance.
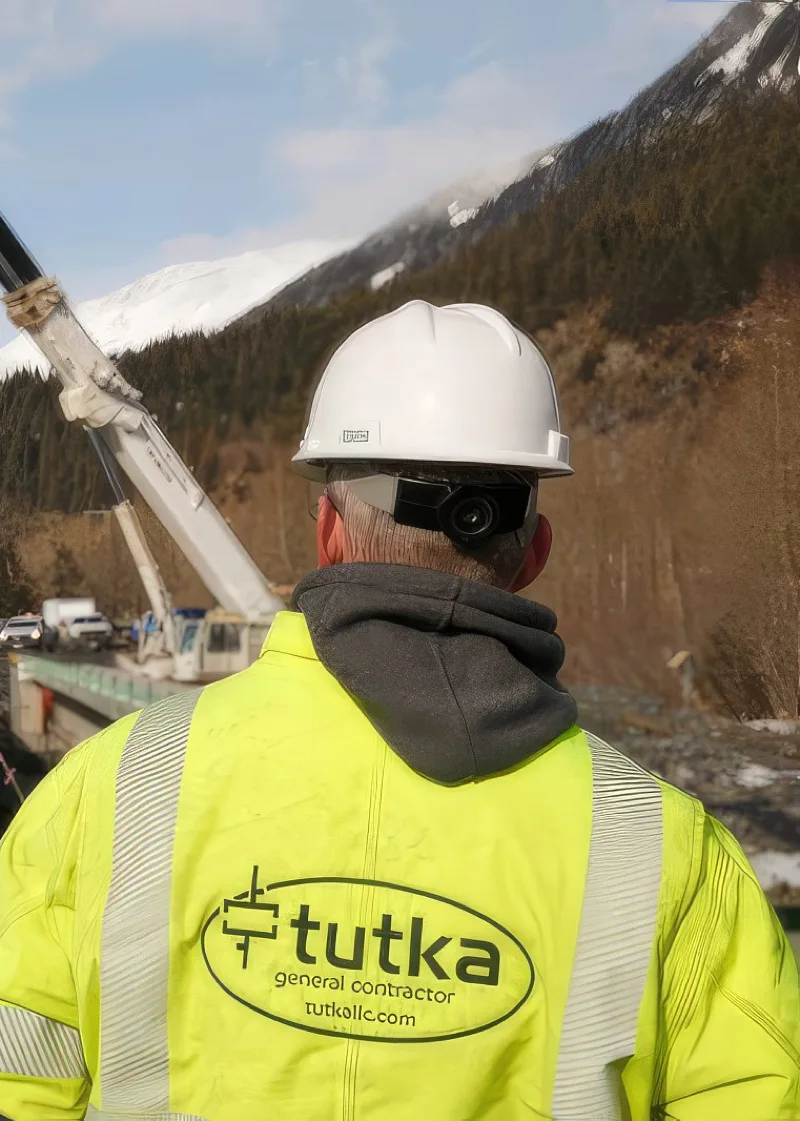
(94, 630)
(26, 632)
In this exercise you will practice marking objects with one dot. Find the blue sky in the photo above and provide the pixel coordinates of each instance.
(140, 133)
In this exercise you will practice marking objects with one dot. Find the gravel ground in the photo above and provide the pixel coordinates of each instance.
(748, 779)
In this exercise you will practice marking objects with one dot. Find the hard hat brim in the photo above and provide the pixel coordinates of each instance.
(545, 466)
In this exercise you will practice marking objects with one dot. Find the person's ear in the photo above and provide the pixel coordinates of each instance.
(536, 557)
(330, 534)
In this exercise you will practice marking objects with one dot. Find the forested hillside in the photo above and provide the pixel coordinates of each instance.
(675, 231)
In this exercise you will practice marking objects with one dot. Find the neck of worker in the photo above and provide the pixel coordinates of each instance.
(459, 678)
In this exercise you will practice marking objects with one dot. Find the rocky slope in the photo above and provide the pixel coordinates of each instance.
(747, 778)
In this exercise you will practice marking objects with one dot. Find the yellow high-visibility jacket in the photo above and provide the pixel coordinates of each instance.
(242, 905)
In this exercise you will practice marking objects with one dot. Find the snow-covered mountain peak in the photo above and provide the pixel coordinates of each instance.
(754, 47)
(199, 296)
(766, 54)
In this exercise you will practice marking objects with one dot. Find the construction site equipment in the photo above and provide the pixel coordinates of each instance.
(96, 395)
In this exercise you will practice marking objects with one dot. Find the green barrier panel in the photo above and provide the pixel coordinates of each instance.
(140, 693)
(122, 690)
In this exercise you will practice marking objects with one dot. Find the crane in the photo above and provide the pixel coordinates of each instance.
(157, 642)
(96, 395)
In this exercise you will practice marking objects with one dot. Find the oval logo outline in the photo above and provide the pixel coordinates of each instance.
(386, 884)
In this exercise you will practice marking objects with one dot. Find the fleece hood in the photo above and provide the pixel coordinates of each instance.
(459, 678)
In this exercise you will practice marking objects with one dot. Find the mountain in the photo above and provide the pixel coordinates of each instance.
(201, 296)
(417, 238)
(756, 46)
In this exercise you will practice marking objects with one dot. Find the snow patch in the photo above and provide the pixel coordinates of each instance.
(777, 727)
(546, 161)
(734, 61)
(203, 296)
(386, 275)
(779, 74)
(754, 776)
(774, 868)
(459, 215)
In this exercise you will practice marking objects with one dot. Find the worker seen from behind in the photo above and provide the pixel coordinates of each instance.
(382, 875)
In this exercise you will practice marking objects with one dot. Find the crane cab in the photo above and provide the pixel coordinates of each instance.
(213, 644)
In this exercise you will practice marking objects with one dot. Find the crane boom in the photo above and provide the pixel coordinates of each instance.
(147, 567)
(96, 394)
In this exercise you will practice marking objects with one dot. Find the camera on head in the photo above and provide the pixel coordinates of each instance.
(470, 514)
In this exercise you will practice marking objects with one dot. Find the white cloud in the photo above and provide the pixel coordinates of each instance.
(118, 18)
(362, 73)
(18, 17)
(48, 57)
(318, 151)
(355, 178)
(45, 40)
(698, 14)
(213, 247)
(631, 46)
(348, 65)
(637, 27)
(351, 179)
(168, 17)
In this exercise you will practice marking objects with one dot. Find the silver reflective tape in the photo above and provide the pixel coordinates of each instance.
(615, 939)
(93, 1114)
(134, 957)
(34, 1046)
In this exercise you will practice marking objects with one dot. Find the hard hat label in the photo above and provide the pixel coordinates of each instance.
(361, 434)
(366, 959)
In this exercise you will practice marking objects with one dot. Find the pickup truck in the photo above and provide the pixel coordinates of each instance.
(26, 632)
(95, 631)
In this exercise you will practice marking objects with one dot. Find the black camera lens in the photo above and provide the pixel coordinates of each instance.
(469, 515)
(474, 517)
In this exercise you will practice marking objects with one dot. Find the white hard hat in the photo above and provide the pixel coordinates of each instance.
(458, 385)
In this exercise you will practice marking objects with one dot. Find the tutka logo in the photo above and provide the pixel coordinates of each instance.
(367, 959)
(355, 436)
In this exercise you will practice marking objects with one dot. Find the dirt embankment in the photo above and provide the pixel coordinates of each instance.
(679, 531)
(681, 528)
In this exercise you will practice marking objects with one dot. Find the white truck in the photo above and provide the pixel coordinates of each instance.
(58, 611)
(97, 396)
(78, 623)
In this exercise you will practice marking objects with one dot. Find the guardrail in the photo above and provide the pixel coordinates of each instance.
(112, 692)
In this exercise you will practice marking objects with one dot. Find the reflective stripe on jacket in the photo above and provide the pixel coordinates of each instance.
(241, 905)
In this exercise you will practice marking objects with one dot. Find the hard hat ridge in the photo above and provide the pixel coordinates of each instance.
(495, 319)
